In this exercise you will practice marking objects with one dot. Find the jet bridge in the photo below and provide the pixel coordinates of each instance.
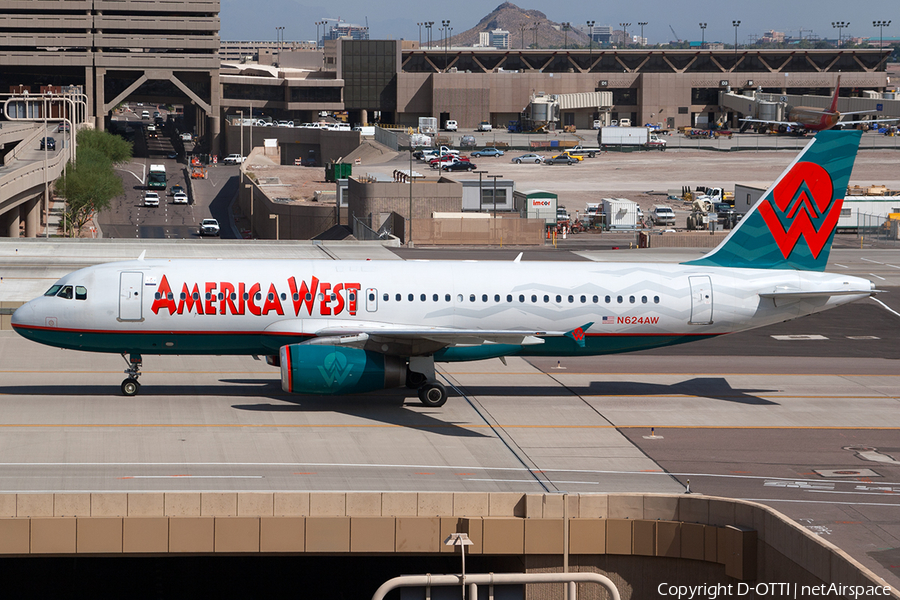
(776, 107)
(769, 107)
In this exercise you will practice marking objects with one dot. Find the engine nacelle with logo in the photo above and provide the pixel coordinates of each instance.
(323, 369)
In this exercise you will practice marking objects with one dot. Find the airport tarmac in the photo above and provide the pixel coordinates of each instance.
(806, 422)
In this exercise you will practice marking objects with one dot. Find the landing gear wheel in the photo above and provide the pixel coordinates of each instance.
(433, 394)
(130, 387)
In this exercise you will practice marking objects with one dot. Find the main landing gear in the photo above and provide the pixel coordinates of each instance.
(130, 386)
(420, 375)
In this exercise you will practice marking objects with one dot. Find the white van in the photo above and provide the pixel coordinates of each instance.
(624, 122)
(451, 126)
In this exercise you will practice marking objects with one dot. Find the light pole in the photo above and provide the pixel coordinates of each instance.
(522, 29)
(480, 191)
(494, 199)
(410, 190)
(446, 30)
(249, 186)
(702, 35)
(279, 33)
(46, 181)
(242, 131)
(590, 25)
(534, 29)
(277, 229)
(566, 26)
(839, 25)
(642, 23)
(428, 25)
(881, 25)
(624, 27)
(322, 23)
(420, 34)
(735, 24)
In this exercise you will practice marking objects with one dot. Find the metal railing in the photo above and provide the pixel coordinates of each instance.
(492, 579)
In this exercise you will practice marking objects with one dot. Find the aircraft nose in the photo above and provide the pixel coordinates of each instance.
(24, 315)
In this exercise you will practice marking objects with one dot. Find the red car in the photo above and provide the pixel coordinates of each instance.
(448, 158)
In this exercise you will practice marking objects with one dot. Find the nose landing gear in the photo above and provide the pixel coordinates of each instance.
(130, 386)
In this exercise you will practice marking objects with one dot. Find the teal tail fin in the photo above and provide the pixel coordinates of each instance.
(793, 223)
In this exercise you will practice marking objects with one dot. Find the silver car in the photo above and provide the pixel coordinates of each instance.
(532, 158)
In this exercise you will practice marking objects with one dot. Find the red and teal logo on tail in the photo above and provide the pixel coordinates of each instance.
(793, 224)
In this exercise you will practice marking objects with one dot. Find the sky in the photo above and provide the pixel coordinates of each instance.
(395, 19)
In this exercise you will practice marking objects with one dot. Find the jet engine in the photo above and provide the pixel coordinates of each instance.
(324, 369)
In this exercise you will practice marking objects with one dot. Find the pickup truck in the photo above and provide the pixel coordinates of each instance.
(580, 150)
(663, 215)
(209, 227)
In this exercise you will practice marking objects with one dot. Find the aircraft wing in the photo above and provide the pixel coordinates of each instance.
(792, 123)
(361, 333)
(893, 120)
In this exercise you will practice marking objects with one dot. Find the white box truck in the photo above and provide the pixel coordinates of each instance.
(428, 125)
(629, 138)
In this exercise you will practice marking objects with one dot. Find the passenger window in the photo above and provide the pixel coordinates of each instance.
(572, 299)
(546, 298)
(422, 297)
(655, 299)
(371, 296)
(196, 296)
(398, 297)
(471, 297)
(643, 299)
(308, 297)
(352, 297)
(596, 299)
(459, 297)
(234, 296)
(221, 296)
(271, 296)
(283, 296)
(207, 296)
(509, 297)
(608, 299)
(156, 296)
(65, 292)
(386, 296)
(447, 298)
(534, 298)
(484, 297)
(411, 297)
(53, 290)
(496, 297)
(631, 299)
(246, 296)
(171, 296)
(619, 299)
(258, 296)
(583, 299)
(558, 298)
(521, 297)
(435, 298)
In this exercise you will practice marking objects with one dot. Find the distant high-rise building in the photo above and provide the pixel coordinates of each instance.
(601, 34)
(500, 39)
(484, 39)
(344, 30)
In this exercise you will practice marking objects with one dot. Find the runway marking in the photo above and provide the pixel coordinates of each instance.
(878, 276)
(880, 263)
(886, 307)
(820, 502)
(192, 477)
(841, 266)
(554, 481)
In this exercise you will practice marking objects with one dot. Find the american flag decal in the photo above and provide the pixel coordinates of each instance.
(608, 321)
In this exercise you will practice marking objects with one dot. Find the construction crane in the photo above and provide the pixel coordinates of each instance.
(677, 39)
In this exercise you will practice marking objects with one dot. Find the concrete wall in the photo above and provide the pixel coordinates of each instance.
(505, 229)
(295, 142)
(296, 221)
(638, 540)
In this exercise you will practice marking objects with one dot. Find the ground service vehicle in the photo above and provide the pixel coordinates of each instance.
(451, 126)
(157, 177)
(233, 159)
(484, 126)
(581, 151)
(209, 227)
(343, 327)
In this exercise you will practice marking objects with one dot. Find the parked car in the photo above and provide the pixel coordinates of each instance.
(560, 159)
(209, 227)
(285, 123)
(663, 215)
(186, 137)
(533, 158)
(49, 142)
(484, 126)
(575, 157)
(460, 165)
(233, 159)
(451, 126)
(151, 199)
(488, 152)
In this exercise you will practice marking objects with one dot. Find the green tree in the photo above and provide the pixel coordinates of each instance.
(88, 185)
(116, 149)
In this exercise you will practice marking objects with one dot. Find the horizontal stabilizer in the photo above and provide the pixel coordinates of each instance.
(817, 294)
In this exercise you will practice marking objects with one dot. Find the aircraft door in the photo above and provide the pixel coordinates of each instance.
(371, 300)
(701, 300)
(131, 286)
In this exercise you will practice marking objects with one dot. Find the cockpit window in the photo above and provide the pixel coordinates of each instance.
(65, 292)
(52, 291)
(80, 292)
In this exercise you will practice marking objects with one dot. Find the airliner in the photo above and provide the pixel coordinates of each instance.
(342, 327)
(819, 119)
